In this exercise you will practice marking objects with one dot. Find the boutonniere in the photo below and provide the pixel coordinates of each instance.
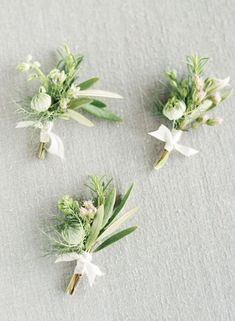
(85, 227)
(188, 101)
(60, 96)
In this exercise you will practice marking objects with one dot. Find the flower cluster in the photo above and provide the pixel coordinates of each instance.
(60, 95)
(189, 99)
(84, 227)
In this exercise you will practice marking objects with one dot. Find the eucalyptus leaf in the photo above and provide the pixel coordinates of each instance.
(95, 228)
(121, 205)
(79, 118)
(116, 237)
(116, 224)
(101, 113)
(88, 83)
(109, 204)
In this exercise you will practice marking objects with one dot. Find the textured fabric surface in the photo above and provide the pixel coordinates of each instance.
(179, 265)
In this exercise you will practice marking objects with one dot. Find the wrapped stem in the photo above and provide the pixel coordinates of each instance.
(42, 151)
(73, 284)
(162, 160)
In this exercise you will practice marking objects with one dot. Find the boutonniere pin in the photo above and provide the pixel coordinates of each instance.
(85, 227)
(60, 96)
(188, 101)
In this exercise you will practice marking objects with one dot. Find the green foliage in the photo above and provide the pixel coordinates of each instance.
(81, 225)
(198, 94)
(116, 237)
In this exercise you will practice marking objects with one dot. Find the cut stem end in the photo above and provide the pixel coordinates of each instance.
(42, 151)
(73, 284)
(163, 159)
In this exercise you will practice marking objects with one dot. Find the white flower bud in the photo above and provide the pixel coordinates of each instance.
(64, 103)
(41, 102)
(57, 76)
(88, 210)
(174, 109)
(74, 91)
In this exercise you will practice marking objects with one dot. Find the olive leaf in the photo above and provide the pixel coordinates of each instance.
(88, 83)
(101, 113)
(109, 204)
(79, 118)
(116, 237)
(95, 228)
(121, 205)
(78, 103)
(116, 224)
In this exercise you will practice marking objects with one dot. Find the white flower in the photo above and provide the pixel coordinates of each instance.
(57, 76)
(88, 209)
(74, 91)
(41, 101)
(174, 109)
(64, 103)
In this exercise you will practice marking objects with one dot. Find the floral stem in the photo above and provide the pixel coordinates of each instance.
(162, 160)
(42, 151)
(73, 284)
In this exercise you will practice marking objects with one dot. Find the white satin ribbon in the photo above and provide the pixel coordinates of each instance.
(171, 138)
(56, 146)
(83, 266)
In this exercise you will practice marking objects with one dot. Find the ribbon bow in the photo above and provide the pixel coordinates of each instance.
(56, 146)
(83, 266)
(171, 138)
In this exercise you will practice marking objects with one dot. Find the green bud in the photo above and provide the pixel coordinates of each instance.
(23, 67)
(214, 121)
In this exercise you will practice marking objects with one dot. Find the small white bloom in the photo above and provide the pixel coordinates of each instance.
(174, 109)
(29, 58)
(62, 76)
(41, 101)
(74, 91)
(64, 103)
(199, 82)
(57, 76)
(88, 209)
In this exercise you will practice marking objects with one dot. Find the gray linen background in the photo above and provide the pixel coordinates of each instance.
(178, 265)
